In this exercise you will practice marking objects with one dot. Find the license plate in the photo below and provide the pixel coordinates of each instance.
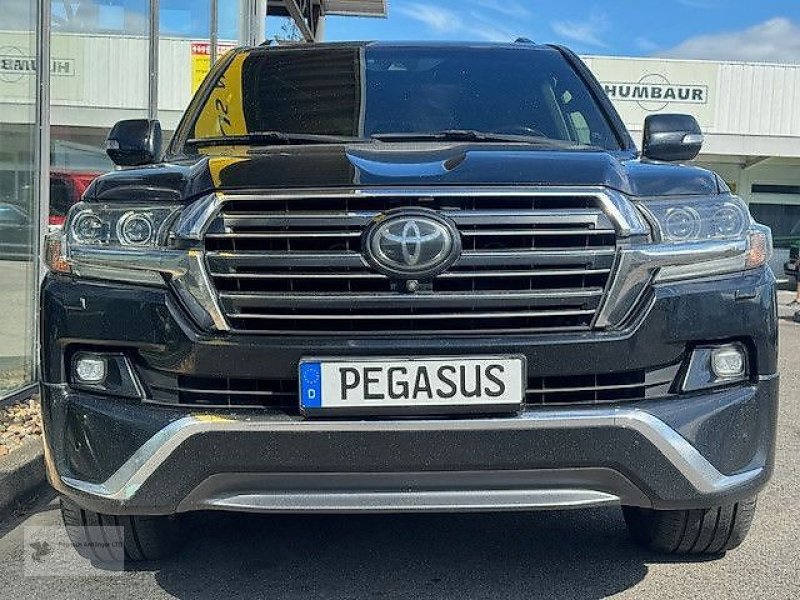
(412, 385)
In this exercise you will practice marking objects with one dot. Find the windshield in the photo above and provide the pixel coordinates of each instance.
(358, 92)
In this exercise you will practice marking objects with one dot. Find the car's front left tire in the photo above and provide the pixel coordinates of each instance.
(711, 531)
(103, 538)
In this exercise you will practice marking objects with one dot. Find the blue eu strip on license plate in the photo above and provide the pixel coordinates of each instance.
(311, 385)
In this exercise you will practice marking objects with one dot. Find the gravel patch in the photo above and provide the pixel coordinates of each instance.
(19, 422)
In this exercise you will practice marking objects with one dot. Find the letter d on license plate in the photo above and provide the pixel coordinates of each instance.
(412, 385)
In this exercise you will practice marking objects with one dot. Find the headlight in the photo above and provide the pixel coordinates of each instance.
(697, 237)
(128, 226)
(126, 242)
(138, 243)
(698, 219)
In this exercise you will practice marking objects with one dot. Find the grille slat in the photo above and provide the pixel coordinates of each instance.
(238, 300)
(226, 261)
(558, 257)
(560, 217)
(295, 265)
(531, 314)
(448, 275)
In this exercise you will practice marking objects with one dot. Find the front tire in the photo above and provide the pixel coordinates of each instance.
(711, 531)
(103, 538)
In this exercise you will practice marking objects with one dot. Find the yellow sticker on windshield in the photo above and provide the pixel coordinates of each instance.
(223, 114)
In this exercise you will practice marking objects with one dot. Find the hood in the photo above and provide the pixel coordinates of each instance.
(397, 165)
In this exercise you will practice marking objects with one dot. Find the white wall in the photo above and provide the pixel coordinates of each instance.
(745, 109)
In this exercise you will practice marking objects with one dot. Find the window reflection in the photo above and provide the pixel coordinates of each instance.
(18, 214)
(127, 17)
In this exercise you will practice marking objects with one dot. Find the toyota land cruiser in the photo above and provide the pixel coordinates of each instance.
(401, 277)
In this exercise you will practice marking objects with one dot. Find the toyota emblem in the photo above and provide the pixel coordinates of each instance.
(411, 244)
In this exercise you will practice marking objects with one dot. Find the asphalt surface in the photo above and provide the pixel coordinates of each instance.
(581, 554)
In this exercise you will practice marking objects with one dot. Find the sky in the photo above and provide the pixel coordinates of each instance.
(747, 30)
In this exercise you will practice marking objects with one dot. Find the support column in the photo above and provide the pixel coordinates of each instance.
(41, 166)
(253, 22)
(214, 33)
(154, 35)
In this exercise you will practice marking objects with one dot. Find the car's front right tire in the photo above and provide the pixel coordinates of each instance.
(103, 538)
(711, 531)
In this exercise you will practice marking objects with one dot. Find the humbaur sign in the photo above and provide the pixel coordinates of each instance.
(15, 64)
(655, 92)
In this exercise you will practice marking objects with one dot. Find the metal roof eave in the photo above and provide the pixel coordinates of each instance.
(355, 8)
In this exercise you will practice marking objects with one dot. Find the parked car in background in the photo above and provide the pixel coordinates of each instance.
(17, 227)
(15, 232)
(66, 189)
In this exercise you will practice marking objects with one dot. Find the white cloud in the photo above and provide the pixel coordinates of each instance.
(645, 44)
(472, 25)
(507, 8)
(776, 40)
(588, 32)
(439, 19)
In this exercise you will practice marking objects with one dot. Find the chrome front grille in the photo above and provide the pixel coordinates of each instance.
(294, 265)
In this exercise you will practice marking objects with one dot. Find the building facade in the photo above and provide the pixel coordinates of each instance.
(106, 60)
(747, 113)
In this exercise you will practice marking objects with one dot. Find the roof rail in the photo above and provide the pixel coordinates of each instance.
(524, 40)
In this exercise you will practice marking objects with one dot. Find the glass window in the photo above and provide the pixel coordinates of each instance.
(128, 17)
(383, 89)
(783, 219)
(99, 52)
(17, 204)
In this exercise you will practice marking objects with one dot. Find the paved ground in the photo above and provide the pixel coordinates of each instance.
(580, 555)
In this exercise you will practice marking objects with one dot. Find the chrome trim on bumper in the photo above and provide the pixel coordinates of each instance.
(413, 501)
(703, 476)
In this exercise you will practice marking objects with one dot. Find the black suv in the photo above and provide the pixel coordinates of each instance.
(401, 277)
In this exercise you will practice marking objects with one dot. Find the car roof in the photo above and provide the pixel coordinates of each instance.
(521, 44)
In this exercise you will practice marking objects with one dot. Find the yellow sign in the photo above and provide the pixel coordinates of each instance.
(201, 61)
(223, 113)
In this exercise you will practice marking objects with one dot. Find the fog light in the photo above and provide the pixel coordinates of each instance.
(728, 362)
(716, 366)
(90, 369)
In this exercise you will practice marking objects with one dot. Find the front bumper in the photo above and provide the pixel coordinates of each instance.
(638, 455)
(681, 451)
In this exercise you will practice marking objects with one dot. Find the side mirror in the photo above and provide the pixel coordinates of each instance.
(134, 143)
(671, 138)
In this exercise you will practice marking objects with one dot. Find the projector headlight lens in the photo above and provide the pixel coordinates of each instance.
(136, 229)
(698, 219)
(728, 221)
(89, 228)
(682, 224)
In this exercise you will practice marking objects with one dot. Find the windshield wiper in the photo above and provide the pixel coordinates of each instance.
(471, 135)
(271, 137)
